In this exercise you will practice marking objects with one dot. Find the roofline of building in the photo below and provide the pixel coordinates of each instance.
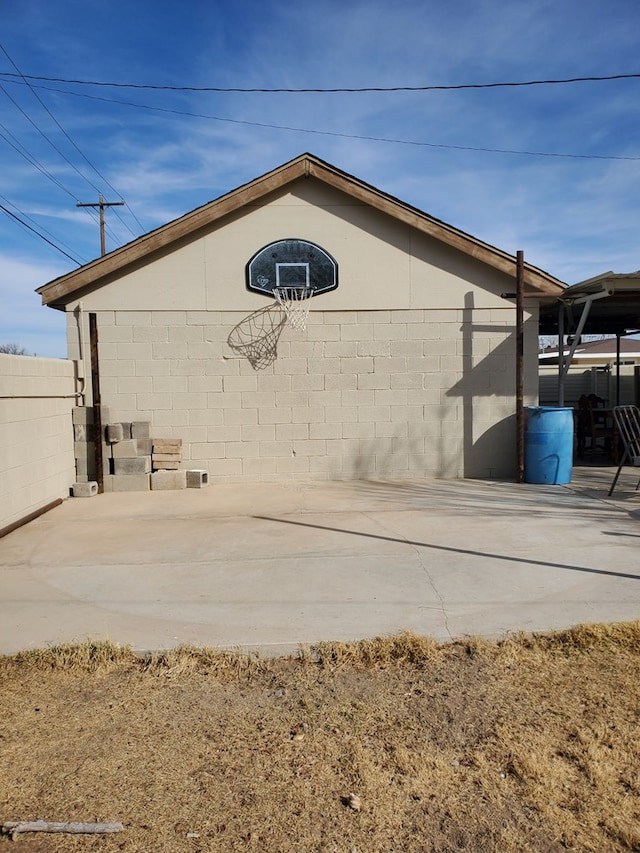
(62, 289)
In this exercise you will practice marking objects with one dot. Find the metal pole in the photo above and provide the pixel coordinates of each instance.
(520, 366)
(95, 390)
(617, 368)
(561, 371)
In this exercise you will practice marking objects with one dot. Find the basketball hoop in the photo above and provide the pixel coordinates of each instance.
(295, 302)
(256, 337)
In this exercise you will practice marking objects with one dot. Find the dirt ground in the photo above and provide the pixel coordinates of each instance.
(528, 744)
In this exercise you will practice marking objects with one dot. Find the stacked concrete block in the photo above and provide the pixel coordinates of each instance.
(83, 441)
(168, 480)
(166, 454)
(129, 458)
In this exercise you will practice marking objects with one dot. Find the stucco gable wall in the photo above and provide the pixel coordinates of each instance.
(383, 263)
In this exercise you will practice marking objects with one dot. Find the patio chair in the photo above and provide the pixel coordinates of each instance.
(627, 419)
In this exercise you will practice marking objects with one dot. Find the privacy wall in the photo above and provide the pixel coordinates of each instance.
(37, 463)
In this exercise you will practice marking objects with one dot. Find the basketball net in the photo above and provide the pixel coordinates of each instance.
(295, 302)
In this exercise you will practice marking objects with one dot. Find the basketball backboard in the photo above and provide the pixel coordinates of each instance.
(292, 263)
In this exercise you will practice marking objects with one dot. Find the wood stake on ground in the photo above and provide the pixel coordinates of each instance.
(15, 827)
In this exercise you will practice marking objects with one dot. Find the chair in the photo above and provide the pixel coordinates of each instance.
(627, 420)
(593, 425)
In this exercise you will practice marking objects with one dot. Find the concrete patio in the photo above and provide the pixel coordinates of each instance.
(271, 566)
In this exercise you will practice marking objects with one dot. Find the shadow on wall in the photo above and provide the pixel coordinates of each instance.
(487, 389)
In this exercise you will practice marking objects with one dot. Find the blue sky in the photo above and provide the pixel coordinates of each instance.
(573, 216)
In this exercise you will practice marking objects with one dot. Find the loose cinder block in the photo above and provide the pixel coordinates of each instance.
(129, 467)
(197, 479)
(167, 480)
(140, 429)
(114, 433)
(82, 415)
(131, 483)
(125, 449)
(84, 490)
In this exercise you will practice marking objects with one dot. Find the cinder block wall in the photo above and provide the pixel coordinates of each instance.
(359, 394)
(36, 435)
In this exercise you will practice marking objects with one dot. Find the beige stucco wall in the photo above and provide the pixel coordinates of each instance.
(406, 370)
(37, 463)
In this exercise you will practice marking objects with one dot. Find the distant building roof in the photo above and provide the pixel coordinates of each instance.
(596, 349)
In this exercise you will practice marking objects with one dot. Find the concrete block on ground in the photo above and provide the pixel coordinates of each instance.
(125, 449)
(140, 429)
(131, 483)
(114, 433)
(83, 432)
(128, 467)
(84, 490)
(197, 479)
(166, 480)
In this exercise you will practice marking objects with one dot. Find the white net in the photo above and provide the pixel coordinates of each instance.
(296, 303)
(256, 337)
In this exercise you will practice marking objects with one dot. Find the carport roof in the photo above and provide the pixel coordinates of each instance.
(142, 250)
(615, 305)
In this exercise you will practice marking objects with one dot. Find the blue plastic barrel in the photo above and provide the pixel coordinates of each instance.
(548, 445)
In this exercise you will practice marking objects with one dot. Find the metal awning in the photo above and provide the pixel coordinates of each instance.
(613, 301)
(608, 304)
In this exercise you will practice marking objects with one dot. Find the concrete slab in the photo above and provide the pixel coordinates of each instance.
(272, 566)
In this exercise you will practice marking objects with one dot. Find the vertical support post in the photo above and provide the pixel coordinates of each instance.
(95, 390)
(561, 371)
(617, 368)
(520, 366)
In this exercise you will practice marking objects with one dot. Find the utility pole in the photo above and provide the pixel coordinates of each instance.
(102, 204)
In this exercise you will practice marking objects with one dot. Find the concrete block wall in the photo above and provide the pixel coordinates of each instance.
(359, 394)
(37, 463)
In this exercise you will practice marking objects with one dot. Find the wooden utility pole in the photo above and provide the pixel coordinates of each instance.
(102, 204)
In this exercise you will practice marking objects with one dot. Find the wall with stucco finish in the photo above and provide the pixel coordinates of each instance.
(37, 463)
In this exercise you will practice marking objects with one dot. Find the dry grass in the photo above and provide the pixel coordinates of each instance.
(527, 744)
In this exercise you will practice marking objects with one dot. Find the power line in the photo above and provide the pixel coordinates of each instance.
(237, 89)
(81, 153)
(36, 224)
(364, 138)
(20, 149)
(32, 159)
(38, 234)
(68, 137)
